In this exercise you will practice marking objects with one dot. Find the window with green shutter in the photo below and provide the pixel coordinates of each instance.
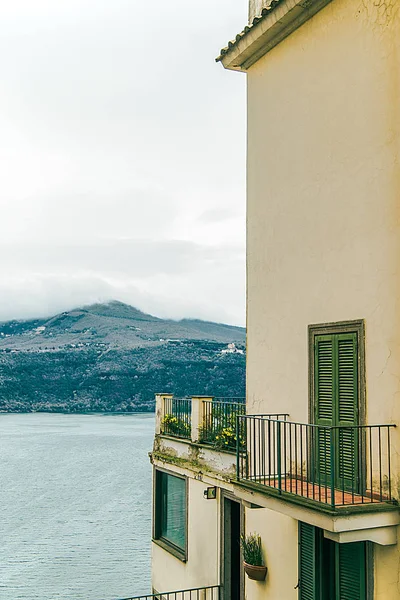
(170, 515)
(330, 571)
(350, 571)
(309, 553)
(335, 403)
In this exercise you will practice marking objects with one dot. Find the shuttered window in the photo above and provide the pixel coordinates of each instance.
(308, 562)
(336, 403)
(170, 512)
(330, 571)
(347, 407)
(350, 571)
(335, 368)
(324, 381)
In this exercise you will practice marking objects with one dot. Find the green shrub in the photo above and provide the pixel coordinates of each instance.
(175, 426)
(251, 547)
(220, 431)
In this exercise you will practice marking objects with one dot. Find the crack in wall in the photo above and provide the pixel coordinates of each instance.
(379, 13)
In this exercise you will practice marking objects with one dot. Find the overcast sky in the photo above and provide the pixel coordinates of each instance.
(122, 157)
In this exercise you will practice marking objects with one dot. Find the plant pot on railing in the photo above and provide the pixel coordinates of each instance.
(252, 557)
(255, 572)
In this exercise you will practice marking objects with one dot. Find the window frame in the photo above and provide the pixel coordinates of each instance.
(317, 561)
(357, 327)
(157, 538)
(226, 495)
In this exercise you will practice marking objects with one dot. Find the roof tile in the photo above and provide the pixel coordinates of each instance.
(232, 43)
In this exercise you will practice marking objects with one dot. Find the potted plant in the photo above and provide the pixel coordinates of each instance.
(252, 557)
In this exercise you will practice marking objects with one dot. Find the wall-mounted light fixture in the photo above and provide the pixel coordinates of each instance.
(210, 493)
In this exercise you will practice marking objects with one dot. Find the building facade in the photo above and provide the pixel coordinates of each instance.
(311, 461)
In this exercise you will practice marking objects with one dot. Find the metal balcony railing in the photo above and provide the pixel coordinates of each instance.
(177, 417)
(203, 593)
(215, 419)
(218, 427)
(335, 466)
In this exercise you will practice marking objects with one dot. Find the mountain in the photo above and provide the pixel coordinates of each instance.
(113, 357)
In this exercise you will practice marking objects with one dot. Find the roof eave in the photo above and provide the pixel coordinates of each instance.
(269, 31)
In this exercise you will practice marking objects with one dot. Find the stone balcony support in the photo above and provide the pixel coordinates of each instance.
(160, 411)
(198, 415)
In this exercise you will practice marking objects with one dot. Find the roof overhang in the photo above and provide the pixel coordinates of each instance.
(276, 22)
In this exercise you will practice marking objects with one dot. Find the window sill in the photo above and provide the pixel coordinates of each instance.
(174, 550)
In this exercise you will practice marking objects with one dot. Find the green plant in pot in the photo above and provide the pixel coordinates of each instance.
(252, 557)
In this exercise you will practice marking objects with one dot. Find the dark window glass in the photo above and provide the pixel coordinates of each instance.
(171, 510)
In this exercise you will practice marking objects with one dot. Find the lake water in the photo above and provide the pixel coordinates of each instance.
(75, 502)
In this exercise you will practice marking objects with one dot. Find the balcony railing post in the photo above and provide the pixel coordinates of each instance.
(389, 466)
(332, 466)
(197, 416)
(237, 447)
(279, 457)
(161, 410)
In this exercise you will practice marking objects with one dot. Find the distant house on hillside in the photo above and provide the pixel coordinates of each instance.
(231, 349)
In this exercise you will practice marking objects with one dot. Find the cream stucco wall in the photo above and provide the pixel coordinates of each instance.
(386, 563)
(324, 218)
(280, 557)
(324, 203)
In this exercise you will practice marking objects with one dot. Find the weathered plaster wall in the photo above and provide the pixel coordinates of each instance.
(198, 457)
(279, 556)
(386, 562)
(324, 211)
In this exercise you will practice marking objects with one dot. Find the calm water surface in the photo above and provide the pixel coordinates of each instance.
(75, 501)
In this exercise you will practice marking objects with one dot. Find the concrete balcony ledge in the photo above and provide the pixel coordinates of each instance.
(195, 456)
(369, 522)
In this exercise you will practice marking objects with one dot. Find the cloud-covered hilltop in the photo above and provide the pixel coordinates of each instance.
(113, 357)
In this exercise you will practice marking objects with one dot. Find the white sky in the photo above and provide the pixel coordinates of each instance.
(122, 157)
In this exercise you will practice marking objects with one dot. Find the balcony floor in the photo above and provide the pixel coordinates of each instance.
(322, 493)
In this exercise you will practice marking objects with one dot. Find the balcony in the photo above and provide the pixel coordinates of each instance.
(204, 420)
(209, 421)
(331, 471)
(203, 593)
(199, 432)
(334, 466)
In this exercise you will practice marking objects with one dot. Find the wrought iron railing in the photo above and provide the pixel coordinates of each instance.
(218, 428)
(203, 593)
(177, 417)
(336, 466)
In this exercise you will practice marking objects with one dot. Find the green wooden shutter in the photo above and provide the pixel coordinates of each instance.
(324, 408)
(347, 408)
(336, 404)
(324, 379)
(347, 379)
(350, 571)
(309, 561)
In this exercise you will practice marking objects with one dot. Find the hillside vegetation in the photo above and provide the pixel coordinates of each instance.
(114, 358)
